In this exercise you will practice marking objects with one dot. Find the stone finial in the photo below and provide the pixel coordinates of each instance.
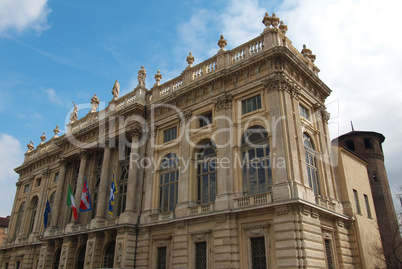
(43, 138)
(158, 78)
(30, 146)
(116, 90)
(308, 54)
(222, 43)
(283, 27)
(274, 20)
(190, 59)
(94, 103)
(266, 20)
(74, 114)
(56, 131)
(142, 75)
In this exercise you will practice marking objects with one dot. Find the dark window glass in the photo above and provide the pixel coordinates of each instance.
(122, 191)
(205, 120)
(108, 257)
(81, 258)
(33, 208)
(206, 173)
(17, 265)
(366, 200)
(257, 173)
(201, 255)
(312, 171)
(56, 177)
(56, 260)
(304, 113)
(375, 177)
(161, 260)
(26, 188)
(367, 143)
(258, 258)
(169, 177)
(170, 134)
(350, 144)
(328, 253)
(356, 196)
(251, 104)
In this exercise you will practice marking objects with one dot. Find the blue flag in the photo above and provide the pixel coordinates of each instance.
(113, 190)
(47, 212)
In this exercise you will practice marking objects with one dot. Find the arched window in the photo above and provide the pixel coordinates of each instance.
(95, 196)
(33, 206)
(256, 169)
(56, 259)
(206, 173)
(81, 258)
(311, 165)
(169, 176)
(19, 219)
(51, 202)
(108, 257)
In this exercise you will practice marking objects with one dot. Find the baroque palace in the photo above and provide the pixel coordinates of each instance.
(228, 165)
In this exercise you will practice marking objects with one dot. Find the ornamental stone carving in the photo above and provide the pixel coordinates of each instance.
(30, 146)
(158, 78)
(135, 130)
(43, 138)
(307, 53)
(74, 114)
(94, 103)
(223, 102)
(142, 75)
(283, 27)
(222, 44)
(270, 21)
(116, 90)
(56, 131)
(190, 59)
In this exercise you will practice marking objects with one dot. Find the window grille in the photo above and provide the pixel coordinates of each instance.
(161, 261)
(258, 258)
(328, 253)
(170, 134)
(201, 255)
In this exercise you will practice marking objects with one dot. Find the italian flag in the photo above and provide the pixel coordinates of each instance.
(70, 201)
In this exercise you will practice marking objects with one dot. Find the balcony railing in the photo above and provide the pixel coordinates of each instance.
(258, 199)
(202, 208)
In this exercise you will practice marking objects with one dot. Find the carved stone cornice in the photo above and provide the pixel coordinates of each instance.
(84, 153)
(223, 102)
(280, 82)
(187, 114)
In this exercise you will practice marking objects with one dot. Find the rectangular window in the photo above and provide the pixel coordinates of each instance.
(17, 265)
(56, 177)
(37, 182)
(170, 134)
(26, 188)
(201, 255)
(357, 202)
(204, 120)
(161, 260)
(367, 143)
(328, 253)
(304, 113)
(258, 258)
(367, 206)
(251, 104)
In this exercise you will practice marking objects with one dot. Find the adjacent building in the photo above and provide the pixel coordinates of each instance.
(3, 228)
(228, 165)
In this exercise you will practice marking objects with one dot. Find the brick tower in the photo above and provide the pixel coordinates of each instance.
(368, 145)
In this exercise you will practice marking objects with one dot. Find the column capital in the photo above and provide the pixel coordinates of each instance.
(135, 130)
(223, 102)
(84, 153)
(46, 173)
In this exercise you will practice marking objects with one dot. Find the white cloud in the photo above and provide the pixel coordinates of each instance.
(51, 94)
(11, 156)
(20, 15)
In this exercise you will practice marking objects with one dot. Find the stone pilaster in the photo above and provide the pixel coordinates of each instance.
(103, 188)
(223, 108)
(59, 192)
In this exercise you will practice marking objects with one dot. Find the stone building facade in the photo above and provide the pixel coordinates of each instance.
(226, 166)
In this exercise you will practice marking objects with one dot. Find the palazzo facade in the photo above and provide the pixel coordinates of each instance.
(228, 165)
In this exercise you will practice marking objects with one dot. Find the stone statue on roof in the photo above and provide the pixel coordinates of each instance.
(30, 146)
(74, 114)
(94, 103)
(142, 75)
(116, 90)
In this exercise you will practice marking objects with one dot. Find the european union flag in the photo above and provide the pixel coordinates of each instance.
(113, 190)
(47, 212)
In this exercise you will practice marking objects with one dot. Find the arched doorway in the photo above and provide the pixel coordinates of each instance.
(108, 257)
(56, 259)
(81, 258)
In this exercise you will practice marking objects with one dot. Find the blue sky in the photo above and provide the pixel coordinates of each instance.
(55, 52)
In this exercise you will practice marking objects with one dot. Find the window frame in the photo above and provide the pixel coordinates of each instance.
(311, 165)
(255, 230)
(249, 105)
(170, 134)
(357, 202)
(169, 168)
(209, 162)
(368, 209)
(304, 112)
